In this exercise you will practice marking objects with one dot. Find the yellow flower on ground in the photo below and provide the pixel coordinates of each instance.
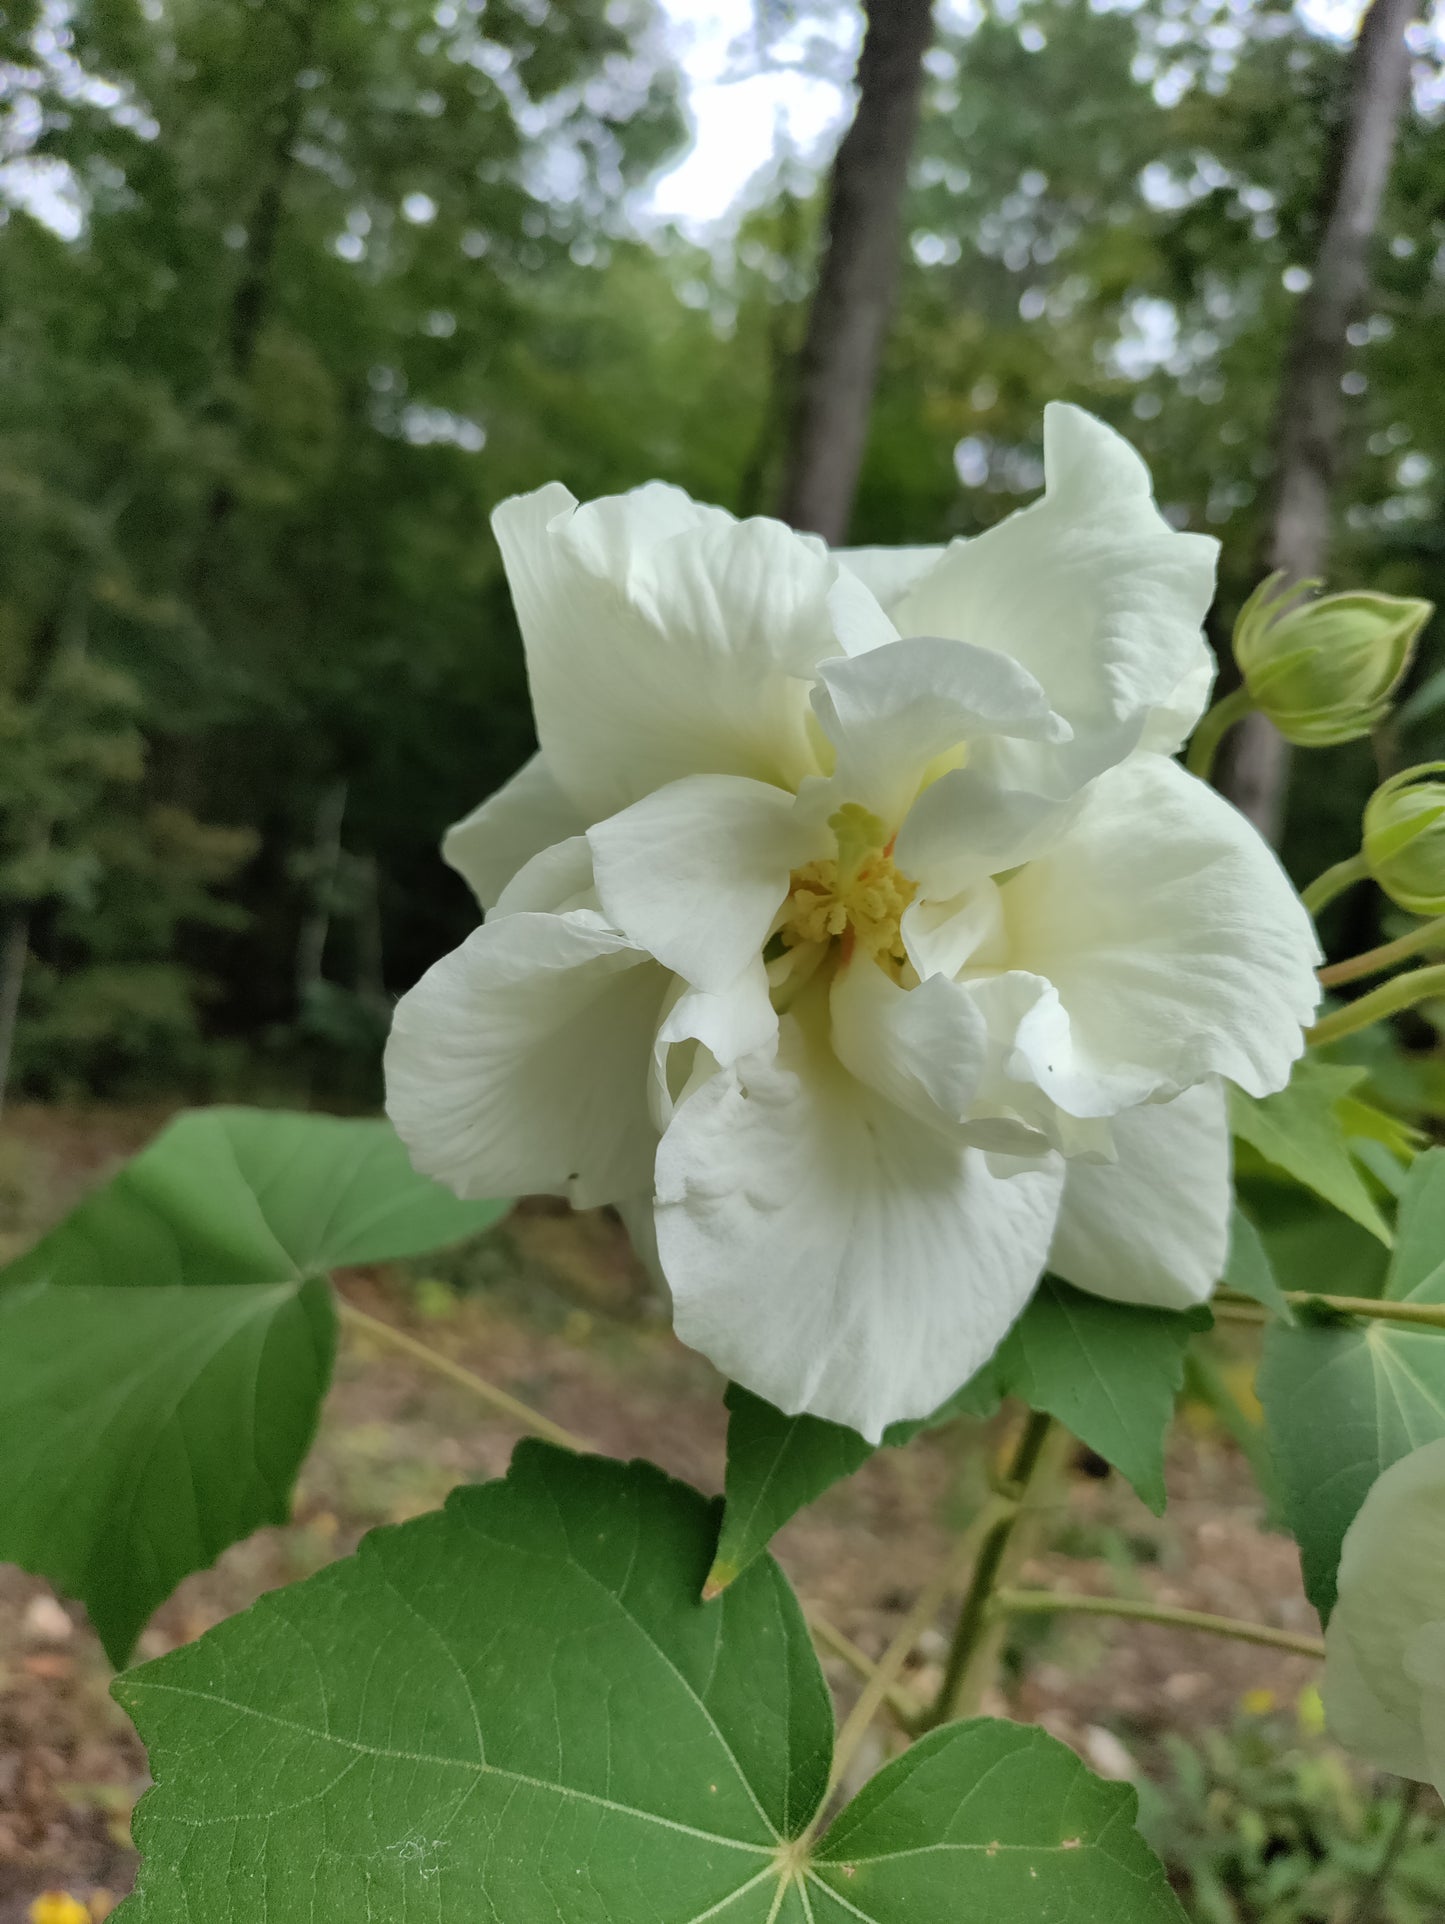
(58, 1907)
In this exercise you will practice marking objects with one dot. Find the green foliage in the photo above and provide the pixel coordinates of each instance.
(1249, 1270)
(1345, 1397)
(1108, 1371)
(1301, 1131)
(164, 1351)
(571, 1732)
(1266, 1823)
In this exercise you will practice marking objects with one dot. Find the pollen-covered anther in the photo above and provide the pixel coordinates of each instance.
(856, 898)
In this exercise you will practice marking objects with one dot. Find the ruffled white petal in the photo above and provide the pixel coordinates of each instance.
(831, 1253)
(695, 872)
(1177, 946)
(519, 1063)
(665, 639)
(701, 1032)
(893, 713)
(1391, 1591)
(559, 878)
(1090, 589)
(1153, 1226)
(527, 814)
(888, 573)
(924, 1049)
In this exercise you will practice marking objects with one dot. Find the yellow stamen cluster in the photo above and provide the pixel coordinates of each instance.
(856, 898)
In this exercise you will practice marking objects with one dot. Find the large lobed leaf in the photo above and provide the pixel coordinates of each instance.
(1347, 1397)
(164, 1351)
(517, 1710)
(1108, 1371)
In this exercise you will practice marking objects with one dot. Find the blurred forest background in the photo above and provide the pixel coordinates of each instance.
(292, 292)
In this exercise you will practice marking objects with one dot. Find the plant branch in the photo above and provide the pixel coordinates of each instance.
(971, 1652)
(1213, 726)
(1039, 1603)
(930, 1601)
(1423, 1315)
(1417, 985)
(1334, 881)
(903, 1707)
(1429, 935)
(500, 1400)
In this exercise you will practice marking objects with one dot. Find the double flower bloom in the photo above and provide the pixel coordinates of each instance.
(854, 931)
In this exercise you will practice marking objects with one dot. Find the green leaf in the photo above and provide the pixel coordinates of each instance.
(164, 1351)
(559, 1729)
(776, 1466)
(1301, 1131)
(1108, 1371)
(1248, 1269)
(1345, 1398)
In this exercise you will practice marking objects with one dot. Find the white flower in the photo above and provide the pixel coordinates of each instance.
(853, 918)
(1384, 1685)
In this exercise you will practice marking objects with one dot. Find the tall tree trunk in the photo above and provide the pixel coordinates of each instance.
(14, 954)
(838, 366)
(1309, 414)
(324, 864)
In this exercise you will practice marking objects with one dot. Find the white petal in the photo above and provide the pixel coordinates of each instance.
(695, 872)
(1089, 588)
(940, 936)
(1391, 1588)
(968, 826)
(559, 878)
(527, 814)
(665, 639)
(1153, 1226)
(925, 1049)
(1172, 723)
(893, 712)
(700, 1032)
(1177, 945)
(832, 1254)
(520, 1062)
(888, 573)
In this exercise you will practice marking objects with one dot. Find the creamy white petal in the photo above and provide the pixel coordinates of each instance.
(519, 1062)
(1153, 1226)
(968, 826)
(940, 936)
(665, 639)
(1177, 945)
(892, 713)
(527, 814)
(1391, 1589)
(695, 872)
(925, 1049)
(557, 879)
(1090, 589)
(1171, 724)
(700, 1032)
(833, 1254)
(888, 573)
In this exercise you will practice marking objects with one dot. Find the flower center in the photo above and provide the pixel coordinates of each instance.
(855, 898)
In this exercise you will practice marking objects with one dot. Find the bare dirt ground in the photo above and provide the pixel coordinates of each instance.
(552, 1307)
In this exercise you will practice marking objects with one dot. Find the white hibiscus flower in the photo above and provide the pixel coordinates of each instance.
(854, 932)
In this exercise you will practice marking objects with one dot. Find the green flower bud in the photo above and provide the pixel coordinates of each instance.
(1404, 842)
(1324, 671)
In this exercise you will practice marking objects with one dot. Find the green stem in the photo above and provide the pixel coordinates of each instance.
(830, 1637)
(1424, 1315)
(1324, 888)
(1429, 935)
(885, 1672)
(1418, 985)
(1212, 729)
(500, 1400)
(973, 1650)
(1047, 1603)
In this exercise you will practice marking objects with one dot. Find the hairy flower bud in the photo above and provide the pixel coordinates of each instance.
(1324, 671)
(1404, 839)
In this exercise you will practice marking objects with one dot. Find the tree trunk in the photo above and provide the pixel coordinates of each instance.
(324, 864)
(14, 953)
(838, 366)
(1309, 415)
